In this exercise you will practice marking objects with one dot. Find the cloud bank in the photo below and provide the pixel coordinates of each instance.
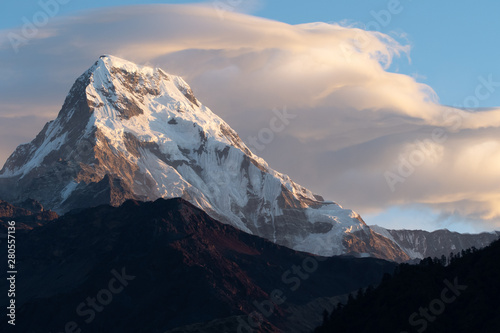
(357, 134)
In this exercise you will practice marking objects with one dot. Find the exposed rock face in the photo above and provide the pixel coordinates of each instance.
(133, 132)
(27, 215)
(187, 268)
(419, 244)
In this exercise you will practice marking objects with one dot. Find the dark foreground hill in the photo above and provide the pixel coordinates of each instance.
(156, 266)
(429, 297)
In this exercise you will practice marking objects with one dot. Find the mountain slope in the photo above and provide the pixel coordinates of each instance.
(419, 244)
(27, 215)
(178, 267)
(461, 297)
(132, 132)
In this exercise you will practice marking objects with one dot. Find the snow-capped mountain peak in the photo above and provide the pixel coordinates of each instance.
(419, 244)
(135, 132)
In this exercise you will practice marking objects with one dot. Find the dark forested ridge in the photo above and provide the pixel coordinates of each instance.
(455, 294)
(165, 265)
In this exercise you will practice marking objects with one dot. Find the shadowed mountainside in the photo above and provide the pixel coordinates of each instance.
(430, 297)
(187, 268)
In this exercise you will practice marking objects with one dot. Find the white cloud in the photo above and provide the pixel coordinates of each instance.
(354, 118)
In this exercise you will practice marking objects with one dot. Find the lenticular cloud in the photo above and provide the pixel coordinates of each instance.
(355, 120)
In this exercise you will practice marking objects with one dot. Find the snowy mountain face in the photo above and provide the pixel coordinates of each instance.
(419, 244)
(132, 132)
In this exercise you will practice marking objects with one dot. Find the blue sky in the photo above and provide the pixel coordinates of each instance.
(453, 42)
(345, 139)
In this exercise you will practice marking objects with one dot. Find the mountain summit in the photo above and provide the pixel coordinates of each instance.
(135, 132)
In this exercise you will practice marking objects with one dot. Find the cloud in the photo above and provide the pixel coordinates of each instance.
(354, 121)
(18, 130)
